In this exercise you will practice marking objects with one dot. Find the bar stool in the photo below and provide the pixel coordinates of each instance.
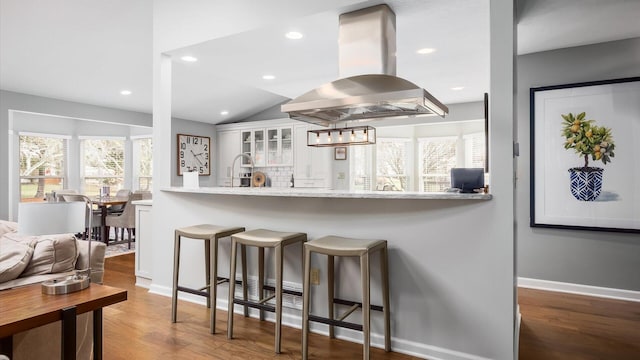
(340, 246)
(208, 233)
(262, 239)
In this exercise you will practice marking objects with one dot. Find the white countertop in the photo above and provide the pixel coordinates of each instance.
(143, 202)
(326, 193)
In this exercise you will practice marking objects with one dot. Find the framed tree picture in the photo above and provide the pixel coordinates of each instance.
(585, 156)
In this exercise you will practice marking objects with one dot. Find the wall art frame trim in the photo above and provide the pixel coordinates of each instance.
(602, 191)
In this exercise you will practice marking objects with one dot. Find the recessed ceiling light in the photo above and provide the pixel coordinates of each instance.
(456, 88)
(125, 92)
(268, 77)
(224, 112)
(293, 35)
(424, 51)
(189, 58)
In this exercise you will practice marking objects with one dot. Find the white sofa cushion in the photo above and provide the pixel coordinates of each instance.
(14, 257)
(8, 227)
(52, 254)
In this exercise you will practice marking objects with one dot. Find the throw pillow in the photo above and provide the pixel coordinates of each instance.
(52, 254)
(14, 257)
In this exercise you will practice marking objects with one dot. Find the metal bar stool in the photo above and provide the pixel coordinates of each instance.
(262, 239)
(340, 246)
(207, 233)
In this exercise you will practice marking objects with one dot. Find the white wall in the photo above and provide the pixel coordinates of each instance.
(604, 259)
(30, 103)
(452, 263)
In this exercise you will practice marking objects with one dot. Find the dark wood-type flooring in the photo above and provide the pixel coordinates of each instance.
(554, 326)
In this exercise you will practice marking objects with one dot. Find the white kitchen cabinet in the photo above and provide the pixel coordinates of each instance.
(280, 146)
(144, 243)
(253, 144)
(228, 148)
(312, 165)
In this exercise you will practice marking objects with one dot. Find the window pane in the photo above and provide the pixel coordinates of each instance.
(42, 166)
(143, 164)
(391, 164)
(103, 165)
(438, 156)
(361, 169)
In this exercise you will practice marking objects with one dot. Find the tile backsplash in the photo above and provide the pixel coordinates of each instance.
(278, 176)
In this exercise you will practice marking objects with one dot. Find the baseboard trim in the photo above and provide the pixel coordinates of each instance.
(377, 340)
(579, 289)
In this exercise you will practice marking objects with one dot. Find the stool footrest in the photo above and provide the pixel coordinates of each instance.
(193, 291)
(344, 324)
(351, 303)
(254, 304)
(284, 291)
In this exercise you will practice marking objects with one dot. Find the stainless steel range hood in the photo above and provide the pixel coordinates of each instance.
(368, 88)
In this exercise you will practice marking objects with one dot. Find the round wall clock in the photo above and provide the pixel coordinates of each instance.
(194, 154)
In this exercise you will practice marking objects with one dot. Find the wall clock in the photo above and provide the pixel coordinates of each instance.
(194, 154)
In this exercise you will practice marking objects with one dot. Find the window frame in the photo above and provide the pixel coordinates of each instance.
(64, 177)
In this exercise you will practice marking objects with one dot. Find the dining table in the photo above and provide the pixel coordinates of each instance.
(104, 202)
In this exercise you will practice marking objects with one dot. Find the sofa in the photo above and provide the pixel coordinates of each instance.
(26, 260)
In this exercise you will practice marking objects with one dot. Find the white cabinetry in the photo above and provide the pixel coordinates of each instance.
(228, 148)
(312, 166)
(280, 146)
(144, 243)
(253, 144)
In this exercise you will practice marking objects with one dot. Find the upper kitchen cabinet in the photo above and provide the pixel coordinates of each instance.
(253, 144)
(312, 166)
(280, 146)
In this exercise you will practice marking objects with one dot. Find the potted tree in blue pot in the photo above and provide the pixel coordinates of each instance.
(588, 141)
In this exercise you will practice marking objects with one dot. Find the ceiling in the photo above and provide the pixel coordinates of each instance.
(88, 51)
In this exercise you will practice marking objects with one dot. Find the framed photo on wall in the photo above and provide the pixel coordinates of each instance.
(585, 156)
(340, 153)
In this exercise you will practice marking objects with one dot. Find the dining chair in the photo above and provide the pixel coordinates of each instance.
(117, 209)
(126, 220)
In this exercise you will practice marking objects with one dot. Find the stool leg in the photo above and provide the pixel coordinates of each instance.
(245, 285)
(330, 291)
(213, 285)
(366, 305)
(306, 288)
(232, 288)
(261, 278)
(279, 255)
(384, 261)
(176, 270)
(207, 269)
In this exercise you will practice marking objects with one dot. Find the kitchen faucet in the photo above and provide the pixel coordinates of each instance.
(233, 166)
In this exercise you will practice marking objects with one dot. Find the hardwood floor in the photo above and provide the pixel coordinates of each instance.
(554, 326)
(567, 326)
(141, 328)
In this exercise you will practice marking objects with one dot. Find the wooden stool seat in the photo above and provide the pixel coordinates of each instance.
(341, 246)
(208, 233)
(261, 239)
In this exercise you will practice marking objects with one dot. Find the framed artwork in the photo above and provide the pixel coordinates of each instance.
(585, 156)
(340, 153)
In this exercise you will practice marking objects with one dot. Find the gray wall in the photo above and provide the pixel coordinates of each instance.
(37, 104)
(603, 259)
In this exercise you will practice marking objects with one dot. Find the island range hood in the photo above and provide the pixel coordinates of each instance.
(368, 88)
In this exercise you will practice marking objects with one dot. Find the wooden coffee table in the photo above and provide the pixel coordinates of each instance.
(27, 307)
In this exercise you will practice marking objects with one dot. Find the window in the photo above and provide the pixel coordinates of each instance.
(437, 157)
(42, 165)
(103, 164)
(361, 167)
(143, 163)
(392, 164)
(439, 154)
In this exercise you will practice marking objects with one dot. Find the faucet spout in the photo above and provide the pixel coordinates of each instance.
(233, 165)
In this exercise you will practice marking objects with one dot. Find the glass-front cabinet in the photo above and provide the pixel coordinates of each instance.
(280, 146)
(253, 144)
